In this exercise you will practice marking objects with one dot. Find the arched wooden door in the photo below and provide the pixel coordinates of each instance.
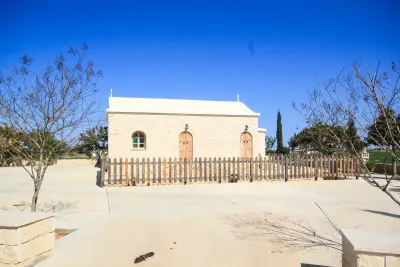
(246, 145)
(186, 145)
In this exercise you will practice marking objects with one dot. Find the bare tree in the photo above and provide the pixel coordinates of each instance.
(364, 97)
(45, 110)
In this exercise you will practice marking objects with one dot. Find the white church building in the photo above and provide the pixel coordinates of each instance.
(151, 127)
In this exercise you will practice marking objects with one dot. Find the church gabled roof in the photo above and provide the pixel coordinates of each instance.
(178, 106)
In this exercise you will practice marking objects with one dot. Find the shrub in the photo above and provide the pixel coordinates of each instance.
(370, 166)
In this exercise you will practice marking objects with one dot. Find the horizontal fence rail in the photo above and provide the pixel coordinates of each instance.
(157, 171)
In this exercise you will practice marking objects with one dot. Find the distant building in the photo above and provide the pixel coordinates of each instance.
(147, 128)
(365, 154)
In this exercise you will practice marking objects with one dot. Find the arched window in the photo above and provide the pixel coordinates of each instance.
(139, 139)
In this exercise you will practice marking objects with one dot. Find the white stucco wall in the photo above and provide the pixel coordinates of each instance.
(261, 141)
(213, 136)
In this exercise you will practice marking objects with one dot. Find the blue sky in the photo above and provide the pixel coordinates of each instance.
(270, 52)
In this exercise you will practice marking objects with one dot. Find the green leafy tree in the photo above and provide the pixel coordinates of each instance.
(353, 142)
(279, 139)
(327, 139)
(94, 142)
(384, 131)
(8, 139)
(50, 151)
(270, 142)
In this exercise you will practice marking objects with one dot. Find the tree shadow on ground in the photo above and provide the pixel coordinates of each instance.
(50, 206)
(284, 232)
(384, 213)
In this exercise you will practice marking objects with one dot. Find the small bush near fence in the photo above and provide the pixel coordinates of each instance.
(154, 171)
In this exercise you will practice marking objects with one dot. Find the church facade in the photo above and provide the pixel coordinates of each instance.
(176, 128)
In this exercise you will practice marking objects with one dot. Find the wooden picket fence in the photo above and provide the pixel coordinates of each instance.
(136, 172)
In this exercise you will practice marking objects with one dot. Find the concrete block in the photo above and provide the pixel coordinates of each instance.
(13, 254)
(39, 228)
(370, 261)
(366, 249)
(24, 236)
(9, 236)
(30, 262)
(392, 261)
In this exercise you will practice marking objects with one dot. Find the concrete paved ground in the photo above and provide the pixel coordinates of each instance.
(257, 224)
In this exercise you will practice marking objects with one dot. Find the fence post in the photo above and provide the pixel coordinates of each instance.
(295, 165)
(132, 173)
(256, 168)
(274, 168)
(228, 170)
(143, 171)
(170, 170)
(109, 170)
(115, 171)
(159, 176)
(205, 169)
(190, 163)
(290, 165)
(215, 170)
(126, 172)
(120, 170)
(337, 159)
(148, 172)
(234, 175)
(153, 163)
(195, 170)
(238, 168)
(251, 169)
(102, 170)
(315, 165)
(308, 163)
(285, 164)
(164, 171)
(242, 160)
(180, 163)
(356, 168)
(219, 170)
(137, 172)
(210, 169)
(185, 170)
(200, 170)
(175, 170)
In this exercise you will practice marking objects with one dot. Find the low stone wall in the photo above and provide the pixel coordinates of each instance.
(25, 237)
(365, 249)
(76, 162)
(380, 168)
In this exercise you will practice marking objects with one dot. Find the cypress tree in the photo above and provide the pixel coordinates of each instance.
(279, 140)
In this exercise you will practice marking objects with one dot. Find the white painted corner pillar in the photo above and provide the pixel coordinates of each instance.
(361, 248)
(25, 237)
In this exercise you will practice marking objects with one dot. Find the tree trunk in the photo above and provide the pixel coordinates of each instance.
(394, 161)
(35, 198)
